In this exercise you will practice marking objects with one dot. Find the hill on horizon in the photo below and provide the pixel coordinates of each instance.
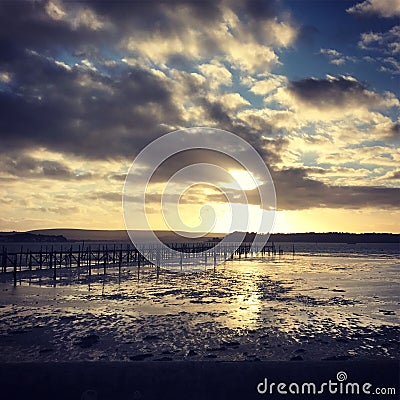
(120, 235)
(168, 236)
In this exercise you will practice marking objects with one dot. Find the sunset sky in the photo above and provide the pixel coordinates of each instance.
(313, 86)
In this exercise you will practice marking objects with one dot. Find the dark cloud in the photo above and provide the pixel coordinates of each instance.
(395, 131)
(295, 191)
(114, 111)
(56, 210)
(117, 177)
(267, 143)
(83, 112)
(24, 166)
(395, 175)
(26, 24)
(153, 14)
(188, 158)
(336, 92)
(101, 109)
(258, 9)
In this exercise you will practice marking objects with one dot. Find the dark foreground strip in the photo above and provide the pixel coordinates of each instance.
(192, 380)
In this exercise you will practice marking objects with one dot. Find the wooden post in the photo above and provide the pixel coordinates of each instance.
(138, 265)
(104, 260)
(20, 258)
(119, 259)
(51, 259)
(70, 257)
(55, 268)
(4, 262)
(26, 259)
(82, 254)
(158, 257)
(90, 261)
(15, 270)
(78, 261)
(40, 258)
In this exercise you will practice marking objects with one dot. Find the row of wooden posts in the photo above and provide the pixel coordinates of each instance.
(117, 256)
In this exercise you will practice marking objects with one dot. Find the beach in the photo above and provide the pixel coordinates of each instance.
(302, 307)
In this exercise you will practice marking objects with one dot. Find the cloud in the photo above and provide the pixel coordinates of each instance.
(82, 112)
(269, 121)
(296, 191)
(382, 42)
(84, 86)
(333, 97)
(75, 14)
(335, 57)
(376, 156)
(233, 101)
(390, 65)
(27, 167)
(337, 92)
(386, 130)
(390, 176)
(267, 84)
(118, 177)
(216, 73)
(231, 31)
(108, 196)
(382, 8)
(67, 88)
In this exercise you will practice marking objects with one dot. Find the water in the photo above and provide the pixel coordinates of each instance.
(325, 302)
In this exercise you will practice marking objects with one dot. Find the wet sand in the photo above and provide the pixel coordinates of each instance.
(302, 308)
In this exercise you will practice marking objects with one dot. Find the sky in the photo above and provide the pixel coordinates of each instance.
(313, 86)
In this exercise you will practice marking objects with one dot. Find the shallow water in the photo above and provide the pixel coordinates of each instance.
(305, 306)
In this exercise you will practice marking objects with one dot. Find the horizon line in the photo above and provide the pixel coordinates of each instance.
(205, 233)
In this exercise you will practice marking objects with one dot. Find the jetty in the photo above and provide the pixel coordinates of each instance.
(87, 258)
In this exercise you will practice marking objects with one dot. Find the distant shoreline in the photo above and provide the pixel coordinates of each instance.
(73, 235)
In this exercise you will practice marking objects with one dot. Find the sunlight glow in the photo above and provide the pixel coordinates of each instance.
(243, 179)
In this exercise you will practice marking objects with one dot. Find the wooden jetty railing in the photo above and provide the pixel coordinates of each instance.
(104, 256)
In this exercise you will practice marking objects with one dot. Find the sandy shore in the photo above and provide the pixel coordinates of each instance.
(287, 310)
(208, 335)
